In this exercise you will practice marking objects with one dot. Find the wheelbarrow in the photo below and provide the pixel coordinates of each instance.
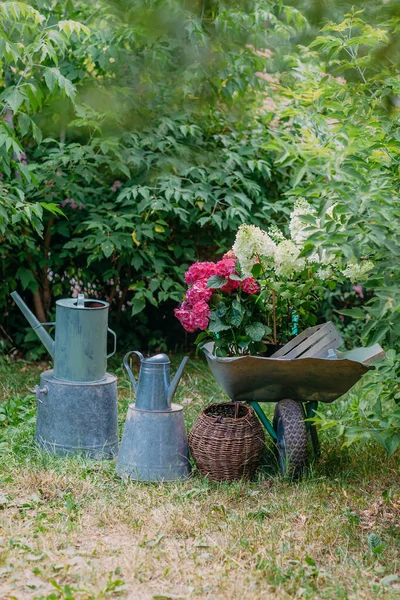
(306, 371)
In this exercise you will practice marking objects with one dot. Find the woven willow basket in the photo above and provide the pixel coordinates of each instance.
(227, 441)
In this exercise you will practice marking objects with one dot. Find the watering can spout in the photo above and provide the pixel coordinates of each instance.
(175, 381)
(38, 328)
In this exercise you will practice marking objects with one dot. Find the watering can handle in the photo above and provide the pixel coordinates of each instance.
(127, 367)
(115, 342)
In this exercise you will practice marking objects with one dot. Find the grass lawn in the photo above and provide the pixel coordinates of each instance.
(70, 528)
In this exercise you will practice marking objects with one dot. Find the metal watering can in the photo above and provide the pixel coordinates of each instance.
(77, 401)
(154, 443)
(80, 348)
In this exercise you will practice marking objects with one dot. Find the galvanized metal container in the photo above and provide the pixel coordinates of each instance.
(154, 444)
(77, 418)
(81, 340)
(80, 348)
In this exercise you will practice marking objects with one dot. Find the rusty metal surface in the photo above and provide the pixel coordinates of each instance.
(260, 379)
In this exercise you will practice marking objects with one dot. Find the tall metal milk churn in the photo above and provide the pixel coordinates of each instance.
(77, 400)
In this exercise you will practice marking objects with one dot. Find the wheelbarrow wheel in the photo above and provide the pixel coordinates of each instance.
(292, 438)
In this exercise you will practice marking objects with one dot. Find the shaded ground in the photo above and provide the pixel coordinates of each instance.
(69, 528)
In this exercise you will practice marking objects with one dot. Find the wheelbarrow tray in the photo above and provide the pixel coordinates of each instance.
(261, 379)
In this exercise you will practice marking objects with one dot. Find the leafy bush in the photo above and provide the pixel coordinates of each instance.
(137, 136)
(334, 135)
(129, 148)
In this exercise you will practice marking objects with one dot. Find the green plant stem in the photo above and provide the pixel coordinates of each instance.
(273, 300)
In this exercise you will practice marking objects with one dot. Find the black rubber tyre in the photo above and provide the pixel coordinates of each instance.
(292, 442)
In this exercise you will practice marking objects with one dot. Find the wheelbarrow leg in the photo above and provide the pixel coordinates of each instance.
(310, 409)
(264, 419)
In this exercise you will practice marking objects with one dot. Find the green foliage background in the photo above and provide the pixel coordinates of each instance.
(136, 136)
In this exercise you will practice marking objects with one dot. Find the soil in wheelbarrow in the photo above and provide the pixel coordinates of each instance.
(271, 349)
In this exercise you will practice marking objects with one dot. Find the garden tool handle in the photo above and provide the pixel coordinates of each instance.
(115, 342)
(128, 369)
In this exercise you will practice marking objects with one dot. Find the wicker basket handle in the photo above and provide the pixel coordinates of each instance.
(236, 409)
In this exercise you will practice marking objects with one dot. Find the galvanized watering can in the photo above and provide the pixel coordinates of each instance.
(154, 443)
(77, 401)
(80, 348)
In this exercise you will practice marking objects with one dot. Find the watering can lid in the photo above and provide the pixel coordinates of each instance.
(82, 303)
(160, 359)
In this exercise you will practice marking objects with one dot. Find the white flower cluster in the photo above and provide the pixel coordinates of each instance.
(283, 255)
(296, 225)
(250, 243)
(287, 260)
(357, 271)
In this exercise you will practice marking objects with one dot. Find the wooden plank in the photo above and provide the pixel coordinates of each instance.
(296, 341)
(313, 341)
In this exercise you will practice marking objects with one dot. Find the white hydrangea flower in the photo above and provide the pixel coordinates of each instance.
(296, 225)
(322, 258)
(324, 273)
(275, 234)
(250, 243)
(287, 260)
(357, 271)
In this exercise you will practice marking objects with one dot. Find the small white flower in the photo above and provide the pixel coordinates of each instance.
(287, 260)
(357, 271)
(321, 257)
(324, 273)
(275, 234)
(296, 225)
(252, 242)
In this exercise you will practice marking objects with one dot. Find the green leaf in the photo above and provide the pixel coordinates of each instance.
(53, 77)
(375, 543)
(13, 97)
(235, 318)
(217, 325)
(50, 78)
(37, 133)
(108, 248)
(138, 305)
(26, 276)
(256, 270)
(255, 331)
(216, 282)
(354, 313)
(23, 124)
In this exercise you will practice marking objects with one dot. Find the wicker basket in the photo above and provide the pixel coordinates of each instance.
(227, 441)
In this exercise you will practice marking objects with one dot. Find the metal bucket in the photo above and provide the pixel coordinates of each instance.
(77, 418)
(154, 445)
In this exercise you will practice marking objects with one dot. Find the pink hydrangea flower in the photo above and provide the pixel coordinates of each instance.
(225, 267)
(232, 285)
(201, 312)
(199, 291)
(250, 286)
(199, 270)
(193, 316)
